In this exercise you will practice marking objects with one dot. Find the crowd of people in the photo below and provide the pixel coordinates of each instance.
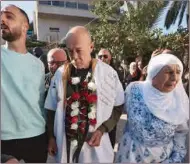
(71, 110)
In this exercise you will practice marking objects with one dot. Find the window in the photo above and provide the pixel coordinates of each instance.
(55, 3)
(58, 3)
(54, 29)
(62, 3)
(83, 6)
(71, 5)
(45, 2)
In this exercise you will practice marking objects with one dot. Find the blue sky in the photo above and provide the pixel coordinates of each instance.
(29, 7)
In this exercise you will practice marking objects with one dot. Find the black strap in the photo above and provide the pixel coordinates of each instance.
(68, 144)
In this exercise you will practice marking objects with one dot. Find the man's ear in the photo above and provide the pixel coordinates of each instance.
(25, 27)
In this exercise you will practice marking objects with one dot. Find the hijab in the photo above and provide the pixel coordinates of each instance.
(173, 106)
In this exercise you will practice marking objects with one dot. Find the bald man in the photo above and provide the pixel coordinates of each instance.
(22, 89)
(55, 58)
(87, 99)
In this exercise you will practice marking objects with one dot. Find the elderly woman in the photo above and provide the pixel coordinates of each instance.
(134, 73)
(158, 112)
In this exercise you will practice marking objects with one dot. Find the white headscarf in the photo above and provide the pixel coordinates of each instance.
(172, 107)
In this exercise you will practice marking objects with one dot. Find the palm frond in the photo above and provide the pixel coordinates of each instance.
(183, 8)
(152, 10)
(160, 11)
(172, 14)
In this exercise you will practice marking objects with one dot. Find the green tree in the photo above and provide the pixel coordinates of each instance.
(130, 34)
(126, 34)
(175, 9)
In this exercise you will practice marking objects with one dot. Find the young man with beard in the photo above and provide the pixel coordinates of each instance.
(22, 92)
(83, 97)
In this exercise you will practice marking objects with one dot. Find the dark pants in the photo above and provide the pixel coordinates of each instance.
(31, 150)
(112, 135)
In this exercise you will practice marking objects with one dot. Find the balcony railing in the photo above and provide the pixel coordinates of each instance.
(67, 4)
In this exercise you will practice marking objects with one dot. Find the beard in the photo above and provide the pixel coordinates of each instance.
(11, 36)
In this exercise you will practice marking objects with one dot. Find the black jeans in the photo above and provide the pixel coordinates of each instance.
(31, 150)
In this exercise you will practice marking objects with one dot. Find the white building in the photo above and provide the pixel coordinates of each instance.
(53, 19)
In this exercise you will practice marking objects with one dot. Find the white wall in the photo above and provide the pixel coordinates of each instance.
(63, 24)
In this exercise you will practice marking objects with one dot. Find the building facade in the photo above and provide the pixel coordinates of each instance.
(53, 19)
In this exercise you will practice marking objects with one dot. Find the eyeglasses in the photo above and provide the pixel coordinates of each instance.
(59, 63)
(103, 56)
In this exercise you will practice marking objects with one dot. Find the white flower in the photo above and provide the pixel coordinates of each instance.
(92, 115)
(93, 108)
(75, 80)
(91, 128)
(74, 126)
(92, 86)
(74, 143)
(75, 112)
(88, 75)
(75, 105)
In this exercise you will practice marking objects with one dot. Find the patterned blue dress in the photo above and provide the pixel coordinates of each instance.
(146, 138)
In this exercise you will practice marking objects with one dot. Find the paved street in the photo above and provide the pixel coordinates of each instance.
(118, 136)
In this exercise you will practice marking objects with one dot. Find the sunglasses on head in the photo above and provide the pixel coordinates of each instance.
(103, 56)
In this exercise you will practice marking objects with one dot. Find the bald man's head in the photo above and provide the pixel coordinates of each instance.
(80, 46)
(14, 23)
(79, 30)
(56, 57)
(105, 55)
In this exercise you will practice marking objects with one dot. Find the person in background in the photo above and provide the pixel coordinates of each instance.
(105, 56)
(161, 51)
(22, 92)
(140, 65)
(38, 52)
(134, 73)
(157, 115)
(43, 58)
(55, 57)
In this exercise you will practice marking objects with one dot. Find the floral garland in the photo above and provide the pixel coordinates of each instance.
(80, 110)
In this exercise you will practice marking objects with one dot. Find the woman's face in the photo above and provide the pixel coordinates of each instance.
(167, 79)
(133, 67)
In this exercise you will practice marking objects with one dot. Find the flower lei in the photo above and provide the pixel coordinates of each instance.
(80, 111)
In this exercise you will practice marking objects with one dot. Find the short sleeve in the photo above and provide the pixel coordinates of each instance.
(51, 99)
(55, 92)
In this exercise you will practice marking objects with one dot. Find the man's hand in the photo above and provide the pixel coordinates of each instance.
(95, 139)
(156, 52)
(52, 146)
